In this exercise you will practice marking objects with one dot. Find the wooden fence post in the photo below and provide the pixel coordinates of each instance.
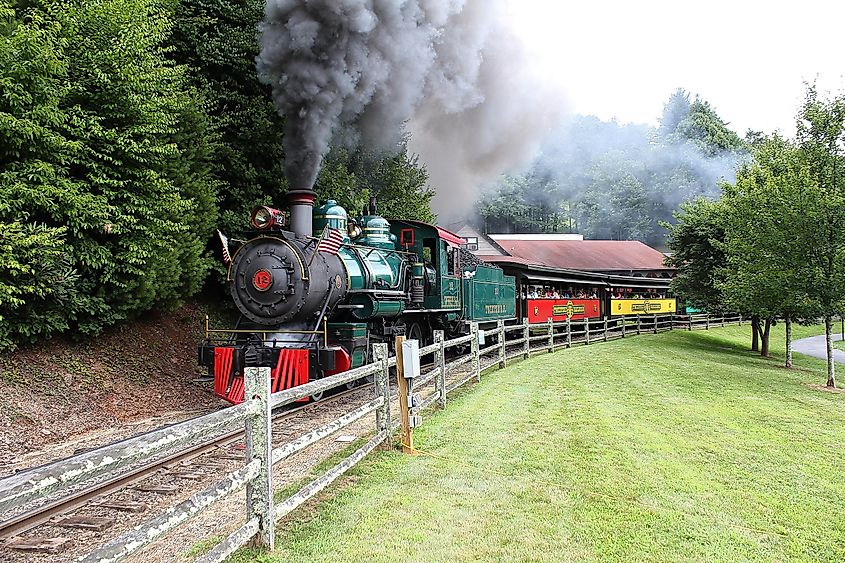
(526, 333)
(440, 360)
(689, 320)
(655, 323)
(476, 360)
(568, 332)
(587, 330)
(638, 324)
(707, 321)
(623, 326)
(382, 387)
(605, 329)
(551, 327)
(740, 320)
(723, 319)
(501, 327)
(404, 399)
(259, 492)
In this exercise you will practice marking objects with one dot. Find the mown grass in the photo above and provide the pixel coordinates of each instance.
(676, 447)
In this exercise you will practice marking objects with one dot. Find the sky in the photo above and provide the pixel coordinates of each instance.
(749, 59)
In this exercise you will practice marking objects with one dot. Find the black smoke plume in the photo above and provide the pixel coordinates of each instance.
(358, 71)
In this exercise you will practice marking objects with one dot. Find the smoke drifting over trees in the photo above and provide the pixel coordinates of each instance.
(357, 71)
(612, 181)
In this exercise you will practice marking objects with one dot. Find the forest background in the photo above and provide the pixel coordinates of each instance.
(131, 130)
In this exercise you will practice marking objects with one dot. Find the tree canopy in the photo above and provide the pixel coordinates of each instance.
(606, 180)
(129, 130)
(778, 231)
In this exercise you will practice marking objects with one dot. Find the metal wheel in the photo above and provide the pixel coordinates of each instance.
(317, 396)
(414, 332)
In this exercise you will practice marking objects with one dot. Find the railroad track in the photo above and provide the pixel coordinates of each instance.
(58, 512)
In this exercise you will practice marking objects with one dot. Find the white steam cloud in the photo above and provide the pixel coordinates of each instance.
(452, 71)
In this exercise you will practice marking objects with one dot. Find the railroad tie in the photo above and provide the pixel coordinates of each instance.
(39, 545)
(96, 523)
(157, 489)
(122, 505)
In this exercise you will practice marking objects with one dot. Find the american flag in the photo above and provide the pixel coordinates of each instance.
(225, 243)
(331, 241)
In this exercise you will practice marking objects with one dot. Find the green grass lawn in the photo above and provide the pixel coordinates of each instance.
(680, 446)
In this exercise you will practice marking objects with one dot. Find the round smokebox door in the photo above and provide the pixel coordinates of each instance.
(267, 285)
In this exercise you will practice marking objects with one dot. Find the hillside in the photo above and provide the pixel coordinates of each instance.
(60, 395)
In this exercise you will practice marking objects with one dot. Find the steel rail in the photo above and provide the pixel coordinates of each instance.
(43, 514)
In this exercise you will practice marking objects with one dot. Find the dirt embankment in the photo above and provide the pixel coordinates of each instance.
(62, 396)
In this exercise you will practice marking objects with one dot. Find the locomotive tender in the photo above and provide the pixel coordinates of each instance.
(312, 305)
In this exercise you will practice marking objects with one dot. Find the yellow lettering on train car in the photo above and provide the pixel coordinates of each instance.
(451, 301)
(641, 306)
(569, 309)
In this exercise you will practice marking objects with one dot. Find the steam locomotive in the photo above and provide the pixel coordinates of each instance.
(311, 306)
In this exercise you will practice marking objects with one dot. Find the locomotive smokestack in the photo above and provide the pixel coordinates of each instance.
(301, 203)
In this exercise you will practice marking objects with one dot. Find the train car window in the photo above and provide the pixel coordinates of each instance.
(430, 251)
(452, 259)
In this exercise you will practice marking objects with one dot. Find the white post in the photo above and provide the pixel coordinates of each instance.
(707, 321)
(502, 360)
(623, 326)
(526, 333)
(605, 329)
(568, 332)
(382, 387)
(638, 324)
(259, 492)
(476, 359)
(551, 328)
(655, 323)
(587, 329)
(440, 360)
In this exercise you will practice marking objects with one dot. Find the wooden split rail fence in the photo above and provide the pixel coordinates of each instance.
(486, 349)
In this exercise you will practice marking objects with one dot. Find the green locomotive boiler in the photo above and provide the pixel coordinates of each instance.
(314, 296)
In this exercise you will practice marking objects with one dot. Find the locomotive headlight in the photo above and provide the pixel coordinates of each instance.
(263, 217)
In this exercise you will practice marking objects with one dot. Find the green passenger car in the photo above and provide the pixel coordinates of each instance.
(489, 295)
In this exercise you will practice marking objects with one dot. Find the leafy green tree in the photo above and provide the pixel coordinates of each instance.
(104, 150)
(697, 245)
(764, 271)
(675, 110)
(821, 226)
(703, 127)
(217, 42)
(397, 180)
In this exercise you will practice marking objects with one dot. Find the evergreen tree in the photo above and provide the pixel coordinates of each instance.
(104, 153)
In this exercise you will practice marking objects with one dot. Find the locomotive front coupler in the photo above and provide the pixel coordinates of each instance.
(260, 357)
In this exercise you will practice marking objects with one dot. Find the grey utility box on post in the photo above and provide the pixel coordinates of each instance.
(411, 359)
(411, 371)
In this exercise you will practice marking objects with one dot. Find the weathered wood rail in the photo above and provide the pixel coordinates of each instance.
(487, 348)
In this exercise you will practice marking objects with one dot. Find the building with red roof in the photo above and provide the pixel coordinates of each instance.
(619, 257)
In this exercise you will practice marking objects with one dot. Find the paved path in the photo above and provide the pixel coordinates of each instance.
(815, 346)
